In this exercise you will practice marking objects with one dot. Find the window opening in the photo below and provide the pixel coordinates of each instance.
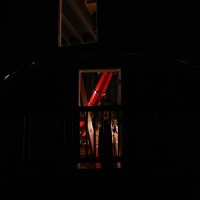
(77, 22)
(100, 116)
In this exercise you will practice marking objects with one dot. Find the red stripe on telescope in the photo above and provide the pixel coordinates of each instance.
(100, 89)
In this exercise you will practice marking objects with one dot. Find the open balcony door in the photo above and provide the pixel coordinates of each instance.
(96, 98)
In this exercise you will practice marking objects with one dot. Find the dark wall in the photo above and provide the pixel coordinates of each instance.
(162, 118)
(159, 98)
(37, 114)
(29, 30)
(150, 27)
(160, 102)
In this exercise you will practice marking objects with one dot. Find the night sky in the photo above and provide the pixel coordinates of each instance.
(28, 29)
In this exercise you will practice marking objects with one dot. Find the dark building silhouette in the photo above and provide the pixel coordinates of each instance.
(152, 49)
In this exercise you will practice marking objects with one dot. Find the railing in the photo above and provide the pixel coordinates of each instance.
(40, 135)
(100, 144)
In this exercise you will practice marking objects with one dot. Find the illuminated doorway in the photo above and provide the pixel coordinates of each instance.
(100, 124)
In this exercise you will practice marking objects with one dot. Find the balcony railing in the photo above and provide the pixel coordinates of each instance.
(100, 137)
(87, 139)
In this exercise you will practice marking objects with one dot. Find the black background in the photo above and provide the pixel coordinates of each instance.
(29, 29)
(165, 108)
